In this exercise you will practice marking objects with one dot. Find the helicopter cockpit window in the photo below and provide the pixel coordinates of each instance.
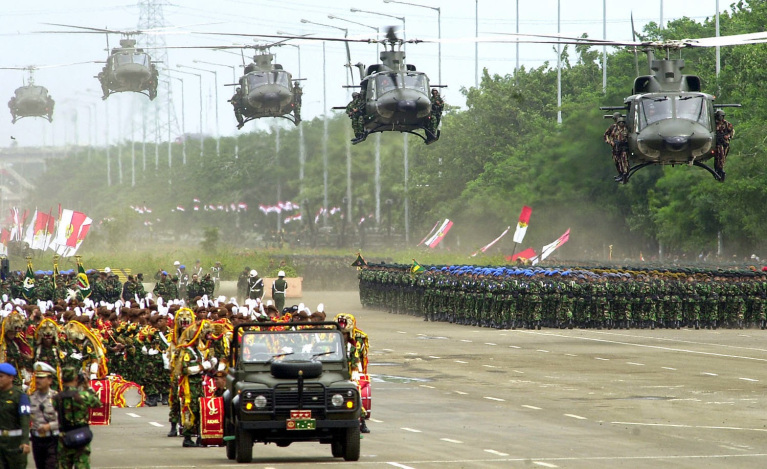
(257, 79)
(691, 107)
(416, 81)
(652, 110)
(122, 59)
(279, 78)
(386, 82)
(141, 59)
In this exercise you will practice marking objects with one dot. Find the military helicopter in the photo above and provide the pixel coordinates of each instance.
(30, 100)
(128, 68)
(396, 95)
(266, 90)
(670, 120)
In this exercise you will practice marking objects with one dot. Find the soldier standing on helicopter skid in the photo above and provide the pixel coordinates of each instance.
(356, 112)
(617, 136)
(724, 133)
(237, 109)
(437, 106)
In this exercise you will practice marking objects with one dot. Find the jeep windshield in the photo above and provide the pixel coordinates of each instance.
(267, 347)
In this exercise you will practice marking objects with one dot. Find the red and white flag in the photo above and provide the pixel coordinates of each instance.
(525, 255)
(524, 220)
(488, 246)
(550, 248)
(440, 234)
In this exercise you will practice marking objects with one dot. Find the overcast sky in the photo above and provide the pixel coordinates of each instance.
(78, 95)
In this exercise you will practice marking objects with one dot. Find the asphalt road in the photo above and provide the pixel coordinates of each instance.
(448, 396)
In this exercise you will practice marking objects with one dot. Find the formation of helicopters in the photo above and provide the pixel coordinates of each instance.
(670, 120)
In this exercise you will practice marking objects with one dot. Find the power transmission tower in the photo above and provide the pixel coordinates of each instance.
(159, 114)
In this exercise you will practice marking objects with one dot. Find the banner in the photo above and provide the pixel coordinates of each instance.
(524, 220)
(492, 242)
(440, 234)
(416, 268)
(28, 287)
(550, 248)
(211, 420)
(101, 415)
(431, 232)
(525, 255)
(359, 262)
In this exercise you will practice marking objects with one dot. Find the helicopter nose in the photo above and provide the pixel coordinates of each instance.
(406, 105)
(271, 97)
(676, 143)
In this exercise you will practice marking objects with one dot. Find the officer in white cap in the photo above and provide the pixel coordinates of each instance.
(255, 286)
(45, 423)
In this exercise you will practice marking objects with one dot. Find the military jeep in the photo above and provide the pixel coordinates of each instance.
(287, 384)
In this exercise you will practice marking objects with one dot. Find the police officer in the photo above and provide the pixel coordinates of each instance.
(14, 421)
(45, 424)
(255, 285)
(279, 287)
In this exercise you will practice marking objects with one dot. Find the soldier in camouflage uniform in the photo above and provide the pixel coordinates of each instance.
(72, 404)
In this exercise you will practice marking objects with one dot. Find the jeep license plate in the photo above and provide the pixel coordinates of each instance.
(301, 424)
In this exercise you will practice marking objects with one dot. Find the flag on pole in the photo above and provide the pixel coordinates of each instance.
(359, 262)
(71, 251)
(82, 280)
(524, 220)
(440, 234)
(63, 229)
(29, 236)
(431, 232)
(524, 256)
(55, 271)
(484, 249)
(416, 268)
(550, 248)
(28, 287)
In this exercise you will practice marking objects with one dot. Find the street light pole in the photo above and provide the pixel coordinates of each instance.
(183, 122)
(199, 77)
(301, 145)
(215, 84)
(439, 30)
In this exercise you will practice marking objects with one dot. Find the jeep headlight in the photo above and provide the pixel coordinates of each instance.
(337, 400)
(260, 402)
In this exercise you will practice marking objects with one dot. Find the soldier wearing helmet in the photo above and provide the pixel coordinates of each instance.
(724, 132)
(617, 137)
(356, 112)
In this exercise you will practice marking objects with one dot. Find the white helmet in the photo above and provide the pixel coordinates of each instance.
(107, 270)
(281, 273)
(177, 263)
(253, 273)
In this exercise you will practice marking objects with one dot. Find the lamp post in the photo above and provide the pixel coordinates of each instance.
(439, 31)
(348, 136)
(406, 202)
(234, 69)
(301, 145)
(377, 165)
(199, 77)
(183, 121)
(215, 84)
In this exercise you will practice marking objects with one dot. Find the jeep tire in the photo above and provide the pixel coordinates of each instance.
(243, 446)
(351, 444)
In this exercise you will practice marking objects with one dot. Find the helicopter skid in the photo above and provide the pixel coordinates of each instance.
(428, 137)
(636, 168)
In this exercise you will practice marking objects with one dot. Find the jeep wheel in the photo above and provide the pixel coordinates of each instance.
(337, 448)
(244, 446)
(231, 449)
(352, 444)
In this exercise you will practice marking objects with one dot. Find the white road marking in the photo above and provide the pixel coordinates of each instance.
(544, 464)
(576, 416)
(387, 350)
(490, 366)
(495, 399)
(426, 386)
(451, 441)
(497, 453)
(750, 379)
(461, 393)
(514, 346)
(570, 355)
(432, 356)
(156, 424)
(517, 371)
(541, 350)
(668, 368)
(465, 340)
(634, 363)
(599, 358)
(490, 343)
(401, 332)
(396, 464)
(376, 420)
(531, 407)
(460, 361)
(411, 430)
(706, 427)
(709, 374)
(130, 414)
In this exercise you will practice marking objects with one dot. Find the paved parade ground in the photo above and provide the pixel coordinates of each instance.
(449, 396)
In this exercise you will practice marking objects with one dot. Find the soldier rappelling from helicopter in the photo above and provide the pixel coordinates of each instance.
(724, 133)
(356, 112)
(617, 137)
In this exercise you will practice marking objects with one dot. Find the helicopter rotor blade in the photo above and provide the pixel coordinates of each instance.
(303, 38)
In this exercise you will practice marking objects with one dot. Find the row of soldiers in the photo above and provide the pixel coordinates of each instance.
(512, 298)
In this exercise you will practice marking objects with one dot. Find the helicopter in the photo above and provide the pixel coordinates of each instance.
(127, 68)
(30, 100)
(266, 90)
(670, 120)
(396, 95)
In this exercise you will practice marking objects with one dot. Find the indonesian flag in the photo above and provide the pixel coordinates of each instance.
(80, 237)
(4, 238)
(45, 224)
(179, 208)
(440, 234)
(73, 230)
(550, 248)
(242, 206)
(65, 220)
(524, 220)
(431, 232)
(29, 236)
(525, 255)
